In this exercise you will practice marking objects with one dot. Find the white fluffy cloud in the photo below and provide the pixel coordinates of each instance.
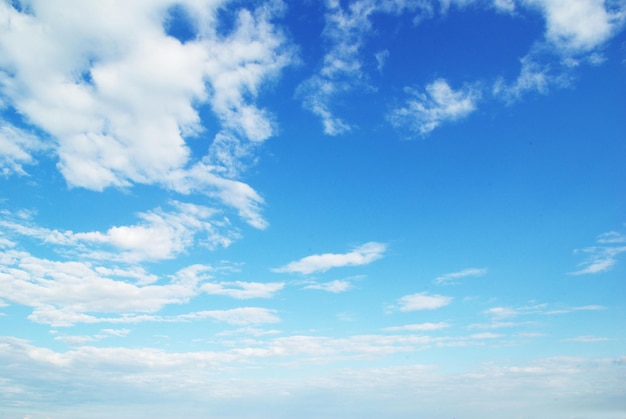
(579, 25)
(422, 301)
(119, 95)
(74, 288)
(361, 255)
(438, 103)
(64, 293)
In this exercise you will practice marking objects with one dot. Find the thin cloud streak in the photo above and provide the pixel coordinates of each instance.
(451, 278)
(361, 255)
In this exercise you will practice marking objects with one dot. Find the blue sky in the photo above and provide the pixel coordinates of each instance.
(350, 209)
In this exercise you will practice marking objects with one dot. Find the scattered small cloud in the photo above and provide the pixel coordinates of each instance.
(499, 313)
(335, 286)
(243, 290)
(497, 325)
(81, 340)
(381, 59)
(417, 327)
(345, 32)
(425, 110)
(360, 255)
(507, 6)
(422, 301)
(612, 237)
(587, 339)
(604, 256)
(450, 278)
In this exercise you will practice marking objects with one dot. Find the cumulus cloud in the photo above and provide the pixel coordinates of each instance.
(65, 293)
(120, 96)
(361, 255)
(575, 31)
(578, 25)
(451, 278)
(422, 301)
(74, 288)
(425, 110)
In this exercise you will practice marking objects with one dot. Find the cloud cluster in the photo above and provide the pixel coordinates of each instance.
(574, 33)
(119, 96)
(159, 235)
(64, 293)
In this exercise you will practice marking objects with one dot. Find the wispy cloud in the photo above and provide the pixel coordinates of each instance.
(335, 286)
(450, 278)
(17, 149)
(83, 339)
(243, 290)
(417, 327)
(587, 339)
(67, 317)
(360, 255)
(422, 301)
(498, 313)
(347, 27)
(427, 109)
(603, 257)
(159, 235)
